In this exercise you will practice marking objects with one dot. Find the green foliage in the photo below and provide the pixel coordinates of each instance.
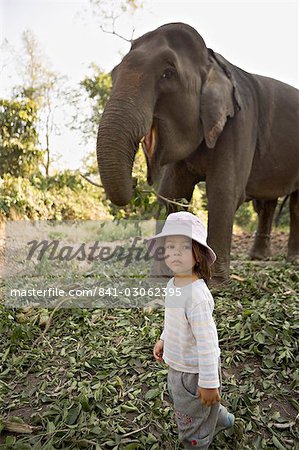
(64, 196)
(19, 155)
(98, 88)
(92, 381)
(20, 199)
(68, 178)
(246, 217)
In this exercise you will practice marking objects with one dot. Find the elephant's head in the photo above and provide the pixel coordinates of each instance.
(171, 93)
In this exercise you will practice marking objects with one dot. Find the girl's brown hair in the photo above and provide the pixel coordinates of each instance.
(202, 266)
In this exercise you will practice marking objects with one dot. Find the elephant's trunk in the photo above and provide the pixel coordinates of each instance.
(125, 121)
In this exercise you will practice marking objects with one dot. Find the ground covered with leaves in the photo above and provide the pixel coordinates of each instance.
(90, 381)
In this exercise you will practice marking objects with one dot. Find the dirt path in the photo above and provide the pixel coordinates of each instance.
(242, 242)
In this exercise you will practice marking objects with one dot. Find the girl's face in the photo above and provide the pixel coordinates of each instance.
(179, 255)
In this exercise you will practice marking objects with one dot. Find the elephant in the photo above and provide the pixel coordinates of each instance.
(179, 181)
(187, 102)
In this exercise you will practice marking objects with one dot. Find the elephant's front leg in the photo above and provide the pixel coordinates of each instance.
(261, 246)
(222, 208)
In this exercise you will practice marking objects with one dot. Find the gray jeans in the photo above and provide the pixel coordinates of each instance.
(196, 422)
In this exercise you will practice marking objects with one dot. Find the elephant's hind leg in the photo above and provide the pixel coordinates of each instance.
(293, 244)
(261, 246)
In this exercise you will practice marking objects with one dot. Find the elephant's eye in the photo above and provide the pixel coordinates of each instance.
(167, 74)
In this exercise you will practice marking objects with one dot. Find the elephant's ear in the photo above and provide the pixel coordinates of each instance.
(219, 100)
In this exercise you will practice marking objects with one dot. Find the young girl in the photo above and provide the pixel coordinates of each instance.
(189, 342)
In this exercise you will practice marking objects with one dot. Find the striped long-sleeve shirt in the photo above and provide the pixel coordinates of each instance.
(190, 335)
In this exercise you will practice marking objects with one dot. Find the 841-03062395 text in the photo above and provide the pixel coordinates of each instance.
(138, 291)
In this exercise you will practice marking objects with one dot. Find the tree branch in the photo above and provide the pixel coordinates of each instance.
(167, 199)
(118, 35)
(90, 181)
(144, 191)
(115, 33)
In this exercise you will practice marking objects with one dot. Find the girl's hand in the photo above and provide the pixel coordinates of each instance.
(158, 350)
(208, 396)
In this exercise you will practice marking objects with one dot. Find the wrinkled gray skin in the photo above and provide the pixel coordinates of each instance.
(179, 182)
(240, 129)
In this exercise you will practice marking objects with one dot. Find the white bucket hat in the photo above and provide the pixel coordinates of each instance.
(186, 224)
